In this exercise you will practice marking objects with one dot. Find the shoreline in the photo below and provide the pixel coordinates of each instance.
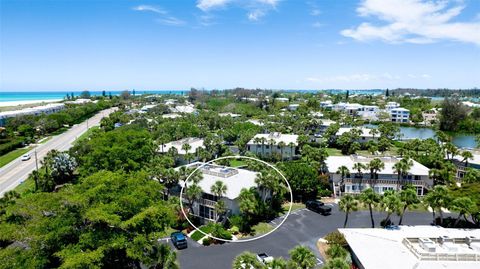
(4, 104)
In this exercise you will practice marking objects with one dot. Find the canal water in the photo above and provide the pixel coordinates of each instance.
(459, 140)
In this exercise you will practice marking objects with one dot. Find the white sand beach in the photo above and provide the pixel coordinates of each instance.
(27, 102)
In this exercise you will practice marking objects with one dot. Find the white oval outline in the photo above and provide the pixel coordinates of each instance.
(244, 240)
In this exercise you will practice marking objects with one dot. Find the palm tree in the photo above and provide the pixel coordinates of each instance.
(302, 257)
(278, 263)
(192, 193)
(401, 168)
(282, 145)
(347, 204)
(257, 141)
(246, 260)
(263, 140)
(218, 189)
(408, 197)
(163, 257)
(464, 206)
(370, 198)
(438, 198)
(375, 166)
(336, 263)
(374, 132)
(359, 167)
(292, 149)
(390, 202)
(343, 171)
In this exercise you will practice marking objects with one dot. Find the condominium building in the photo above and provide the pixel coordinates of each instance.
(181, 148)
(400, 115)
(366, 134)
(355, 182)
(283, 145)
(234, 179)
(45, 109)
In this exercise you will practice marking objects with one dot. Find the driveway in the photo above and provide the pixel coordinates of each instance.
(302, 227)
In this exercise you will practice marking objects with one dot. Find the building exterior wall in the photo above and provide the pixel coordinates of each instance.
(267, 150)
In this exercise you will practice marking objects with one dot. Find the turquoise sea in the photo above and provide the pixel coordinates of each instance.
(53, 95)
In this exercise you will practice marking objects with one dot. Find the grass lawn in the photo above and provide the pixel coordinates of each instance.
(237, 163)
(198, 235)
(26, 186)
(334, 152)
(261, 228)
(295, 206)
(12, 155)
(87, 133)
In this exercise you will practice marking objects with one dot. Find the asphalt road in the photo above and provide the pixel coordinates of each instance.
(302, 227)
(14, 173)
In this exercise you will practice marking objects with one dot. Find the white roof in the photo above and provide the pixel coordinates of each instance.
(328, 122)
(476, 158)
(365, 132)
(239, 178)
(233, 115)
(381, 248)
(183, 109)
(400, 109)
(334, 162)
(31, 110)
(256, 122)
(277, 137)
(282, 99)
(171, 116)
(192, 141)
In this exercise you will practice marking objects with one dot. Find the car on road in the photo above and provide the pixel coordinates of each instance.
(264, 258)
(26, 157)
(319, 207)
(179, 240)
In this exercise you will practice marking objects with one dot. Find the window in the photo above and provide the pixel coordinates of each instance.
(206, 212)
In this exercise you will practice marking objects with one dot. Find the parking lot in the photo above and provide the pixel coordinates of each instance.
(302, 227)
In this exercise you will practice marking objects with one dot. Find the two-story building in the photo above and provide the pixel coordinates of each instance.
(193, 143)
(354, 182)
(365, 136)
(235, 179)
(284, 145)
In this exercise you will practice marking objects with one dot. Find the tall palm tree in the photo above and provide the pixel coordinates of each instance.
(263, 141)
(218, 189)
(374, 132)
(371, 199)
(438, 198)
(390, 202)
(282, 145)
(375, 166)
(292, 149)
(343, 171)
(402, 168)
(409, 199)
(347, 204)
(257, 141)
(359, 167)
(192, 193)
(464, 206)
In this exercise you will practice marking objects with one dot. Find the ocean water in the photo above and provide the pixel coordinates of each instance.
(53, 95)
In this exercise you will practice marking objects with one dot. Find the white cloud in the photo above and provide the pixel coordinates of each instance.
(171, 21)
(206, 5)
(414, 21)
(256, 9)
(318, 24)
(150, 8)
(165, 18)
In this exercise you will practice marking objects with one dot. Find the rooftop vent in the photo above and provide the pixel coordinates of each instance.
(427, 244)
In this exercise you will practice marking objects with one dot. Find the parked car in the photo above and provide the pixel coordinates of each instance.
(179, 240)
(319, 207)
(26, 157)
(264, 258)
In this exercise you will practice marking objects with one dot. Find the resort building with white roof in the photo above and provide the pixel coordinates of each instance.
(193, 143)
(414, 247)
(283, 145)
(235, 179)
(354, 182)
(37, 110)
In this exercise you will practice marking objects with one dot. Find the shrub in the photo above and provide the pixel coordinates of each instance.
(336, 251)
(336, 238)
(207, 241)
(234, 230)
(325, 193)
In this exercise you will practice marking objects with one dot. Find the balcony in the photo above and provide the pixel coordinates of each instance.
(386, 181)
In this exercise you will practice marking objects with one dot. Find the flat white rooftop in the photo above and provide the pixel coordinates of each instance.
(234, 178)
(381, 248)
(277, 138)
(192, 141)
(334, 162)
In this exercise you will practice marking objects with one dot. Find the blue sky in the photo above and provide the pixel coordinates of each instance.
(281, 44)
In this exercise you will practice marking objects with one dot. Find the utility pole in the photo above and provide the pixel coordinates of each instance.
(36, 171)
